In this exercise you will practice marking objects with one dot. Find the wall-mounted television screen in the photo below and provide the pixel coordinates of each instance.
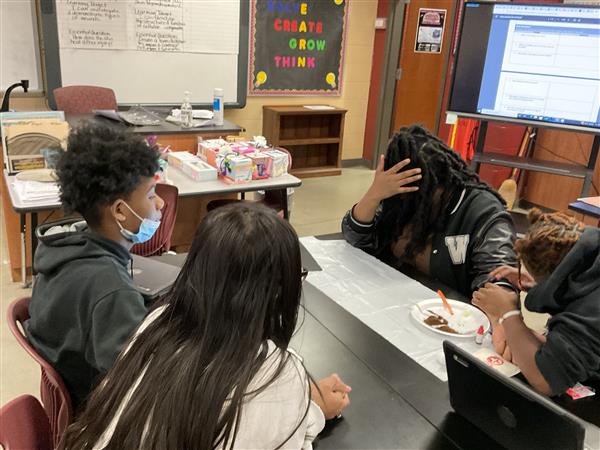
(536, 64)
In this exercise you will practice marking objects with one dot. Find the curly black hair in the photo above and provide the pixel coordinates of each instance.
(102, 164)
(444, 174)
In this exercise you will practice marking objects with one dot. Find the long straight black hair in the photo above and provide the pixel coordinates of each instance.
(239, 287)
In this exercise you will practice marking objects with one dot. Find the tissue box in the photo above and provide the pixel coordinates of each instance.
(213, 154)
(176, 159)
(238, 169)
(261, 165)
(280, 162)
(199, 170)
(209, 144)
(243, 148)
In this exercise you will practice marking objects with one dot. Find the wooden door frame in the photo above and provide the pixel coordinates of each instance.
(385, 108)
(392, 72)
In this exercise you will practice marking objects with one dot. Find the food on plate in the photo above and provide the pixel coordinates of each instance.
(439, 323)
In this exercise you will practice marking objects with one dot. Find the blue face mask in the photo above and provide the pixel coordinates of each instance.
(147, 229)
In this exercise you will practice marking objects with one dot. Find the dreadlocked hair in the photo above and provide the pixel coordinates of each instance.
(426, 211)
(549, 239)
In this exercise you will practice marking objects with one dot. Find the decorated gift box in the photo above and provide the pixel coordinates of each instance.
(205, 144)
(209, 148)
(261, 165)
(237, 168)
(176, 159)
(213, 155)
(243, 148)
(279, 163)
(199, 170)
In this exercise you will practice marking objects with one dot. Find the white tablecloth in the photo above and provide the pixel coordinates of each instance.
(381, 297)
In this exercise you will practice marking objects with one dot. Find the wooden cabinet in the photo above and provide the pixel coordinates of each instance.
(313, 137)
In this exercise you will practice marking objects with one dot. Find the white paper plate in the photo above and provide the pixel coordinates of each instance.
(466, 317)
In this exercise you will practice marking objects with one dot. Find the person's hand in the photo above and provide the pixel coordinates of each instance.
(388, 183)
(495, 300)
(333, 396)
(499, 341)
(512, 275)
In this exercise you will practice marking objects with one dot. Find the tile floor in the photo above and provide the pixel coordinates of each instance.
(318, 207)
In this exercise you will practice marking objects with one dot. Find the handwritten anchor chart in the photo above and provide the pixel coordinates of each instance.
(297, 47)
(148, 25)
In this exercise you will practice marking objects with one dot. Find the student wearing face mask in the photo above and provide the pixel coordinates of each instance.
(84, 305)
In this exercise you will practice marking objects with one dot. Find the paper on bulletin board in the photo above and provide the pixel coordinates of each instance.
(430, 30)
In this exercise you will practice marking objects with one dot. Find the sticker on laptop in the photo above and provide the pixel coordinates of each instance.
(580, 391)
(494, 360)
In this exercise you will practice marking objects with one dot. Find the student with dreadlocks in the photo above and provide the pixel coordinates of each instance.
(426, 208)
(563, 258)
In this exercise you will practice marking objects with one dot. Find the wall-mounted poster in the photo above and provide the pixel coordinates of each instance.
(297, 47)
(430, 30)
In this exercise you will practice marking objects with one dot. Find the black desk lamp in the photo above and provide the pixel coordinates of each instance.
(23, 83)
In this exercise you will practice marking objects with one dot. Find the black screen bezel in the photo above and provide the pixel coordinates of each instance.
(493, 118)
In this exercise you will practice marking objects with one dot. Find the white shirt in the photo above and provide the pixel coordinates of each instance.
(269, 417)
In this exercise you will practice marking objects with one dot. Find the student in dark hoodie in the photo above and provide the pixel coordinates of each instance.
(84, 305)
(563, 260)
(427, 209)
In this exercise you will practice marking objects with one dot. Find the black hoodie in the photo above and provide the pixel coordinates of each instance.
(571, 294)
(84, 305)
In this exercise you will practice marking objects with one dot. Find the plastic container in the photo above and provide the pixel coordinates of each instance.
(218, 106)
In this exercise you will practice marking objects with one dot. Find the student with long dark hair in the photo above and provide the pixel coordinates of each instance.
(210, 367)
(426, 208)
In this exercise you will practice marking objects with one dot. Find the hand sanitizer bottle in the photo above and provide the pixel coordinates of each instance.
(187, 114)
(218, 106)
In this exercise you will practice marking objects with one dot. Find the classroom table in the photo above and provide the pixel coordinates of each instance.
(168, 134)
(395, 402)
(164, 128)
(186, 186)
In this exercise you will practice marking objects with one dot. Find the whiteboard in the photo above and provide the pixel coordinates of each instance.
(148, 51)
(19, 44)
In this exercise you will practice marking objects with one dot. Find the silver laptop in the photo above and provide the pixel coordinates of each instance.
(154, 276)
(506, 409)
(151, 277)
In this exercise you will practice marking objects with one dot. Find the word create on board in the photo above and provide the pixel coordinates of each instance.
(296, 26)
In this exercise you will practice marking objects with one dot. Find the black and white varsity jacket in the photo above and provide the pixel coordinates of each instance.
(479, 237)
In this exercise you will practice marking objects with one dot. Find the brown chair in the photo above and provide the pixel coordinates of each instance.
(55, 396)
(24, 425)
(84, 99)
(161, 241)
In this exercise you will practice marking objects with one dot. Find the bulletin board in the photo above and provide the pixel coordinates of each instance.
(297, 47)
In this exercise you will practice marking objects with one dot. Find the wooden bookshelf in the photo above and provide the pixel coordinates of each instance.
(313, 137)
